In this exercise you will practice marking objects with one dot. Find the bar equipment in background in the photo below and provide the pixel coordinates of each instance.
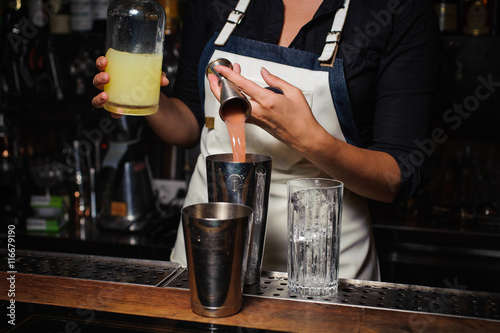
(64, 178)
(81, 192)
(314, 221)
(217, 237)
(82, 69)
(135, 33)
(13, 196)
(59, 22)
(99, 14)
(172, 20)
(49, 210)
(81, 15)
(462, 192)
(46, 174)
(447, 12)
(128, 200)
(50, 213)
(246, 183)
(478, 17)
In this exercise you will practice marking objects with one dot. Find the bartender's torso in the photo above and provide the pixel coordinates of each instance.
(325, 89)
(390, 51)
(368, 61)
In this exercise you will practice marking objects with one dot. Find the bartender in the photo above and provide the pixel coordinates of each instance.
(357, 78)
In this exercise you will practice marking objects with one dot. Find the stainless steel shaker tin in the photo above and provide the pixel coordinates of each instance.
(217, 237)
(246, 183)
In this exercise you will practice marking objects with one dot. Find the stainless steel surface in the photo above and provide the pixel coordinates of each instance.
(381, 295)
(231, 97)
(112, 269)
(217, 237)
(420, 300)
(245, 183)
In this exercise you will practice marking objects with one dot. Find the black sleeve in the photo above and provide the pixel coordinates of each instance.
(405, 93)
(391, 56)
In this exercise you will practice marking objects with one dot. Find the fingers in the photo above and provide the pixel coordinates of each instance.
(214, 85)
(237, 68)
(164, 80)
(99, 100)
(100, 80)
(274, 81)
(250, 88)
(101, 63)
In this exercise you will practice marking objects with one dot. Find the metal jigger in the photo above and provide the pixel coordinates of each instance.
(231, 97)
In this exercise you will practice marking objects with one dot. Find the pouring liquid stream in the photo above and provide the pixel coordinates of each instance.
(235, 122)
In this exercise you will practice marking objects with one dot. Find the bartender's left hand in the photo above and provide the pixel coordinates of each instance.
(287, 117)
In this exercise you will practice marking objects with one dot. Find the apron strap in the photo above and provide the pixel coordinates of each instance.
(329, 53)
(232, 21)
(332, 39)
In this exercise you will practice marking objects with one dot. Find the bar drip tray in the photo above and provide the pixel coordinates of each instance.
(89, 267)
(164, 274)
(380, 295)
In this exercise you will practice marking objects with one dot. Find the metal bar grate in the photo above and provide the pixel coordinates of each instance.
(136, 271)
(382, 295)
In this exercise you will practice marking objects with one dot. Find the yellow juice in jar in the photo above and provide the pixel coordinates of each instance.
(134, 82)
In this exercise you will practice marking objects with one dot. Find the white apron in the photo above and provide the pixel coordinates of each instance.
(325, 90)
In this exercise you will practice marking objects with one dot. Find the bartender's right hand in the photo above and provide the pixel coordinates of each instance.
(102, 78)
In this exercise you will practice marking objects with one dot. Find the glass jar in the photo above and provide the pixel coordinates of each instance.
(134, 49)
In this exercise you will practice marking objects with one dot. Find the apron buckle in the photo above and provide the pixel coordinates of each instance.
(232, 21)
(329, 53)
(235, 17)
(210, 122)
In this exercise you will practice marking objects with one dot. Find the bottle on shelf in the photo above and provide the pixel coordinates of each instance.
(99, 12)
(36, 13)
(477, 17)
(59, 20)
(171, 16)
(447, 13)
(81, 15)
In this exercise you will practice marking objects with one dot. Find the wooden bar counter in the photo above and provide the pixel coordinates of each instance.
(159, 290)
